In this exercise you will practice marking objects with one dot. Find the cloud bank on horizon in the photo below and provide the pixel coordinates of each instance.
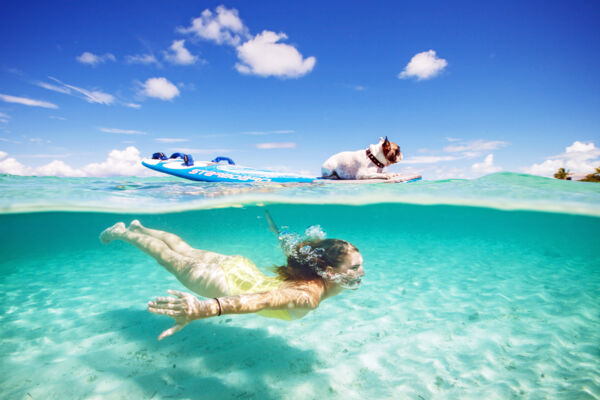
(579, 157)
(125, 162)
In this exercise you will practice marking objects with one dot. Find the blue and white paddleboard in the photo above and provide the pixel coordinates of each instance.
(216, 172)
(208, 171)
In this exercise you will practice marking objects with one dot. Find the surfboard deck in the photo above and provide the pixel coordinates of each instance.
(206, 171)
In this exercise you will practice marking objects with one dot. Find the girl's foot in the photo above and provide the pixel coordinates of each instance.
(114, 232)
(135, 225)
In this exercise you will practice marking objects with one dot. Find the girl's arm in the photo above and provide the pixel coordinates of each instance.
(185, 308)
(306, 297)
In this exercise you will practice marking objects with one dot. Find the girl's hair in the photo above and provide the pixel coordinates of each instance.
(313, 256)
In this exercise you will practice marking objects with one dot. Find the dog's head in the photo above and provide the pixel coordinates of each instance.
(391, 150)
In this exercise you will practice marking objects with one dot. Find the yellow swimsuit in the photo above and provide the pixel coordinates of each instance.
(243, 277)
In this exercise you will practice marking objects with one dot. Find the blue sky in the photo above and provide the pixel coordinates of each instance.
(465, 88)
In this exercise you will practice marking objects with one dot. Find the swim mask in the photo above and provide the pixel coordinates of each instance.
(344, 280)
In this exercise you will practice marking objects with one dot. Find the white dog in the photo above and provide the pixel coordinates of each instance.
(363, 164)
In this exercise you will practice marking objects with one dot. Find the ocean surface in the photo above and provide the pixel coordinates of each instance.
(474, 289)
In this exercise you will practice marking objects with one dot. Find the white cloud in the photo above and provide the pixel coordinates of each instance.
(59, 89)
(94, 96)
(476, 147)
(261, 55)
(264, 56)
(58, 168)
(486, 167)
(425, 65)
(160, 88)
(224, 27)
(145, 59)
(122, 131)
(118, 163)
(3, 154)
(89, 96)
(179, 54)
(4, 118)
(88, 58)
(26, 101)
(57, 117)
(12, 167)
(276, 145)
(587, 150)
(169, 140)
(547, 168)
(93, 59)
(580, 158)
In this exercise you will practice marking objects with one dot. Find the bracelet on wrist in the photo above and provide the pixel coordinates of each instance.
(220, 308)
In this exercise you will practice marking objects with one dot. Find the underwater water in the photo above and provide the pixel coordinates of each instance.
(486, 288)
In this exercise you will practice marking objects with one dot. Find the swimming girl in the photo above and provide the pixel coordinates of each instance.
(316, 269)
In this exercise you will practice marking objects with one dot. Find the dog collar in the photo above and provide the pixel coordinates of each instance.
(375, 161)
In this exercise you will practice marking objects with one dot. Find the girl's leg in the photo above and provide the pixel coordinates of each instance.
(173, 241)
(199, 274)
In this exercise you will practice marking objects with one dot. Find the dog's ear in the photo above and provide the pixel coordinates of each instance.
(380, 140)
(386, 142)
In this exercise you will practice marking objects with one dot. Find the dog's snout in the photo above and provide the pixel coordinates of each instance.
(398, 154)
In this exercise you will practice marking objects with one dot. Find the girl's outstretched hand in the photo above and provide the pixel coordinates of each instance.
(184, 308)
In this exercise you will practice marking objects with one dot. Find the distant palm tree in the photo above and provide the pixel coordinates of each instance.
(562, 174)
(595, 177)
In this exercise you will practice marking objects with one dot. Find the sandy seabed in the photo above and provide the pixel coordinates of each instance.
(476, 317)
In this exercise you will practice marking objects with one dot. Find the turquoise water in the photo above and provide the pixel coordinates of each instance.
(473, 289)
